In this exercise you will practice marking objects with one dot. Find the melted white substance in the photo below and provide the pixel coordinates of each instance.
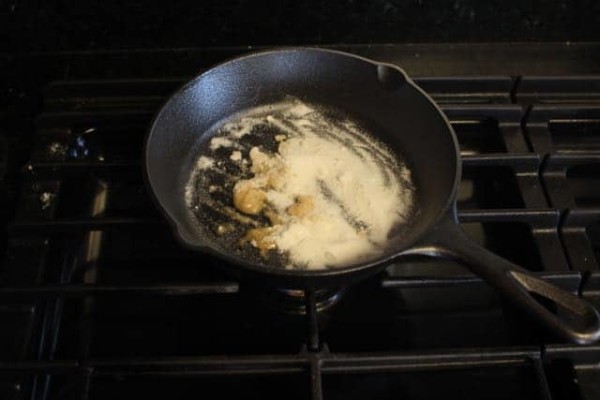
(218, 142)
(358, 189)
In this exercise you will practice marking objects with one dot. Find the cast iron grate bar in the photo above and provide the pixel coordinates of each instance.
(83, 224)
(571, 129)
(573, 370)
(559, 89)
(571, 181)
(570, 282)
(78, 290)
(460, 90)
(577, 233)
(331, 362)
(233, 368)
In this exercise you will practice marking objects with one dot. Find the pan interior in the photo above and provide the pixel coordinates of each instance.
(222, 158)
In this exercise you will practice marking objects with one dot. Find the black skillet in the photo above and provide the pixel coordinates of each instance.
(408, 121)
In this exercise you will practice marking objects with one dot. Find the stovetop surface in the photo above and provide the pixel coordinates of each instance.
(98, 300)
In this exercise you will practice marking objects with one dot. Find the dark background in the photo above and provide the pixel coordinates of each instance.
(38, 25)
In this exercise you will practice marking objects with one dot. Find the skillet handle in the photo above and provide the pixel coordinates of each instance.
(574, 319)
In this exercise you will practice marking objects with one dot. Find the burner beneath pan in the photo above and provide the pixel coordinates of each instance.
(294, 301)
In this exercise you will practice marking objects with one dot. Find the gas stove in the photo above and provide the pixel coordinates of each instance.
(98, 299)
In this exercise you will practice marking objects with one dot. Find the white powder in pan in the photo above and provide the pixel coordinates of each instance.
(218, 142)
(205, 163)
(336, 232)
(236, 156)
(240, 128)
(357, 190)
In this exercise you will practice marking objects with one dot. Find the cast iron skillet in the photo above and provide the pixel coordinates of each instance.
(410, 123)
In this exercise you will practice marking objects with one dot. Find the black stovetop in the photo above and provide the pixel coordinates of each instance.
(98, 300)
